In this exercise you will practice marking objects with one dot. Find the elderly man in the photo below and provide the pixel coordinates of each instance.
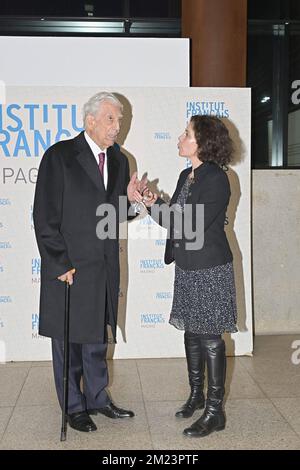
(75, 177)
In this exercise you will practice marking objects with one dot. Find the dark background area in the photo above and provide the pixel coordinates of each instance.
(273, 55)
(102, 8)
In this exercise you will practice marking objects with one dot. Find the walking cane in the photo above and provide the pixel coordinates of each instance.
(63, 435)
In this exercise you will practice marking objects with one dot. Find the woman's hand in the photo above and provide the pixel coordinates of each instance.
(147, 197)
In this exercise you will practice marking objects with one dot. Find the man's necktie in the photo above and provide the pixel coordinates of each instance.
(101, 156)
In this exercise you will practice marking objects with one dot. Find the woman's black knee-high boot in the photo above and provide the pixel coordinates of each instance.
(213, 417)
(196, 365)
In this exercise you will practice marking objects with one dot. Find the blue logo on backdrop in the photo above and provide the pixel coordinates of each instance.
(1, 268)
(5, 202)
(5, 245)
(1, 323)
(163, 295)
(160, 242)
(147, 221)
(23, 134)
(150, 265)
(162, 135)
(35, 266)
(1, 225)
(34, 322)
(214, 108)
(5, 299)
(150, 320)
(35, 270)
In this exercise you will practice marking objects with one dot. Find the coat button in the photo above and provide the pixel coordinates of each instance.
(176, 245)
(190, 194)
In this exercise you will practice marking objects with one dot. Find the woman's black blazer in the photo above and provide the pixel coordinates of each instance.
(210, 188)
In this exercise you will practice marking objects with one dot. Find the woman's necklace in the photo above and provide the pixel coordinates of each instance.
(192, 176)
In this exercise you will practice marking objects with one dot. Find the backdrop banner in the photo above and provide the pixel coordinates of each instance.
(31, 120)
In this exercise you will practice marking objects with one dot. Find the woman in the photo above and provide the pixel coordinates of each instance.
(204, 302)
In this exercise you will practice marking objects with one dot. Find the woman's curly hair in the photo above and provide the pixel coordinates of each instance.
(213, 140)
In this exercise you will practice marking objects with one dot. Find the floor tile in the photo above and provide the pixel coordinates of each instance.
(11, 382)
(251, 424)
(38, 427)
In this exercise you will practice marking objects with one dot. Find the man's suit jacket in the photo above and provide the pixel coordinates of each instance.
(68, 191)
(210, 188)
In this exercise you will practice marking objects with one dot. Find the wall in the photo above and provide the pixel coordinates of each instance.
(276, 251)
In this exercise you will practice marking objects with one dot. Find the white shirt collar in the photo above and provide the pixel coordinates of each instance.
(94, 147)
(96, 150)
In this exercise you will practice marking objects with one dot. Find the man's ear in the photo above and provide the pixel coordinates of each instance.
(90, 121)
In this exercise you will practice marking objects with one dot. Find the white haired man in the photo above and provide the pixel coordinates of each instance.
(75, 177)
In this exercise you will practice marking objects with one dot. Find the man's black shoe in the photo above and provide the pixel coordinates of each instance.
(81, 422)
(112, 411)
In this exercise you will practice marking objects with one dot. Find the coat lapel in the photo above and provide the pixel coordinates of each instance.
(113, 170)
(87, 160)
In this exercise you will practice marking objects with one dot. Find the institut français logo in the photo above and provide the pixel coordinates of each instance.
(151, 320)
(35, 270)
(213, 108)
(28, 130)
(151, 265)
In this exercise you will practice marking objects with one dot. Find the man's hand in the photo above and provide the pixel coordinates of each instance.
(68, 276)
(136, 185)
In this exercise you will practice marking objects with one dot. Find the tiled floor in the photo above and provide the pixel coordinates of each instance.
(262, 404)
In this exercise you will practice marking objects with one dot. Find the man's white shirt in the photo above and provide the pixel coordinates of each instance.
(96, 150)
